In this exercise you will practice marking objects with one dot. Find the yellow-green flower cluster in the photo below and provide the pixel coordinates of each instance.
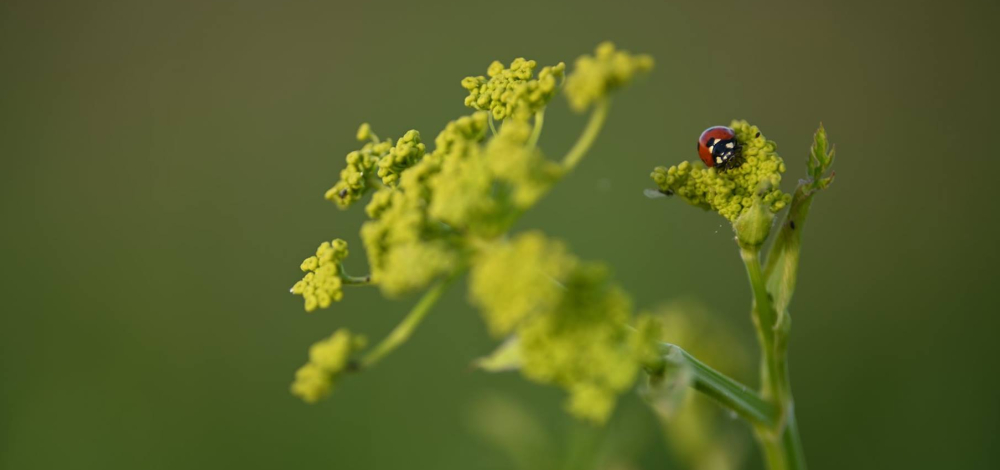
(328, 359)
(375, 158)
(357, 177)
(513, 90)
(522, 169)
(432, 213)
(732, 192)
(407, 152)
(512, 281)
(608, 69)
(460, 134)
(405, 249)
(463, 192)
(322, 282)
(570, 320)
(408, 242)
(478, 190)
(414, 265)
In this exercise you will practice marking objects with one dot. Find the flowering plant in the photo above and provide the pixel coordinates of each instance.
(437, 214)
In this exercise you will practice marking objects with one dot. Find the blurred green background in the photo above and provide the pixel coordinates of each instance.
(163, 171)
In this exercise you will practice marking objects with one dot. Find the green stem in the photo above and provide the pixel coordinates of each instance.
(349, 280)
(782, 452)
(774, 451)
(356, 280)
(536, 132)
(586, 139)
(762, 300)
(764, 319)
(492, 127)
(728, 392)
(780, 443)
(405, 328)
(793, 443)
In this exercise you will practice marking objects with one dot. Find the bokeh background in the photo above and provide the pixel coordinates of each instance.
(163, 166)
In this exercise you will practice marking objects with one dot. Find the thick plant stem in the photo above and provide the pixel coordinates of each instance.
(764, 319)
(774, 451)
(793, 443)
(780, 444)
(782, 452)
(723, 389)
(405, 328)
(597, 117)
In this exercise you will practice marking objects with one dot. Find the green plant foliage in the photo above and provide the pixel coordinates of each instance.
(435, 215)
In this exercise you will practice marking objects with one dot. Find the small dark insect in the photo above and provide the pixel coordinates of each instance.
(342, 193)
(792, 224)
(657, 193)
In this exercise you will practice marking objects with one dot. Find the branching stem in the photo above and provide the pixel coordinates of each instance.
(405, 328)
(586, 139)
(493, 128)
(536, 132)
(353, 280)
(723, 389)
(764, 319)
(780, 443)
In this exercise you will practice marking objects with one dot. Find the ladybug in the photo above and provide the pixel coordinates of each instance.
(719, 148)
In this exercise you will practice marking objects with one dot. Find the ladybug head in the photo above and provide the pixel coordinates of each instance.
(725, 152)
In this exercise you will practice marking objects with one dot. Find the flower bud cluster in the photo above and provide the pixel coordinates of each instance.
(594, 77)
(375, 158)
(513, 90)
(433, 213)
(569, 319)
(328, 359)
(323, 282)
(731, 193)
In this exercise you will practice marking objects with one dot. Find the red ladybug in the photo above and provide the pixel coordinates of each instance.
(719, 148)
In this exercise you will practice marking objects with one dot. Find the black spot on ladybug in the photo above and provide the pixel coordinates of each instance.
(792, 224)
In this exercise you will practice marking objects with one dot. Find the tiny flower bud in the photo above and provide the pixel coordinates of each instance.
(364, 132)
(753, 226)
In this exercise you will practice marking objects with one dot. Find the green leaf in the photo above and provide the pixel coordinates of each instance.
(506, 357)
(782, 266)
